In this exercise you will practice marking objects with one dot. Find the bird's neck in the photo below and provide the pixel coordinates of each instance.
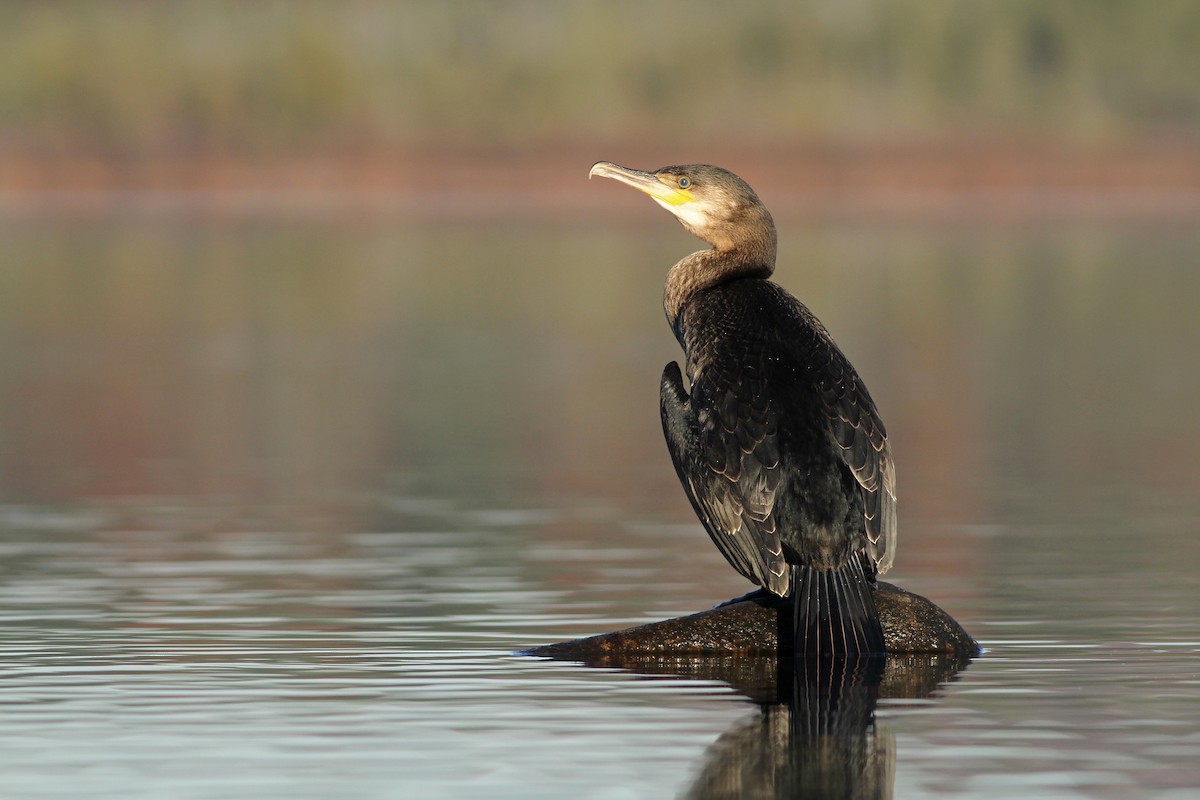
(708, 268)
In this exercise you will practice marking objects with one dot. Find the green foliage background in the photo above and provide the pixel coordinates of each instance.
(197, 75)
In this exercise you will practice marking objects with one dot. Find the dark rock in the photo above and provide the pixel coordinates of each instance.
(911, 625)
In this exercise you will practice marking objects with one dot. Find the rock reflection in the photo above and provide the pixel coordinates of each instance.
(814, 735)
(819, 741)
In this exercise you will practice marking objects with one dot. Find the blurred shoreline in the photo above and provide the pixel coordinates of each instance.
(1157, 181)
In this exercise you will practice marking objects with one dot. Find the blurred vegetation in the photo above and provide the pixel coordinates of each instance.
(176, 78)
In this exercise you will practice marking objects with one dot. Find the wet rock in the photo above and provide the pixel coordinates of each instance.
(911, 625)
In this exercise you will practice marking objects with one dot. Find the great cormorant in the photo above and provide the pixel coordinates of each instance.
(778, 445)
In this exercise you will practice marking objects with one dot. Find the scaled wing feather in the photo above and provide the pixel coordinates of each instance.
(727, 459)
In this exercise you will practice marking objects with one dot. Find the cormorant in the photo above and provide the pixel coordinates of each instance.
(778, 446)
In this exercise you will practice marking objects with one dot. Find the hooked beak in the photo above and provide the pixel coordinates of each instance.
(648, 182)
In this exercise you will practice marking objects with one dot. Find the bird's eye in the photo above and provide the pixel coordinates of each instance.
(684, 183)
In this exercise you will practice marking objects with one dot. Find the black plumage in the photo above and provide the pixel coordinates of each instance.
(776, 440)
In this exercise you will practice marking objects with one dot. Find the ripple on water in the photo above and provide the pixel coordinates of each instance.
(201, 665)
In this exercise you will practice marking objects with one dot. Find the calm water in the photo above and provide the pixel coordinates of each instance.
(279, 501)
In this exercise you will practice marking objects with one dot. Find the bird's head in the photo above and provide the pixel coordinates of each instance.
(712, 203)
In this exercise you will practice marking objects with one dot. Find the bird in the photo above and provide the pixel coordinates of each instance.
(775, 439)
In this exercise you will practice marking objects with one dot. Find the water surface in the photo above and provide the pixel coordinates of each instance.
(281, 499)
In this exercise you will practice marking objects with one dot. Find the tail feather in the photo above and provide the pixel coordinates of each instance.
(835, 612)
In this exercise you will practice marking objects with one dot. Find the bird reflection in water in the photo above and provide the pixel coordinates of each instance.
(814, 733)
(818, 740)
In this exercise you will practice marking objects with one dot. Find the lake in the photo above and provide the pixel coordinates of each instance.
(282, 497)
